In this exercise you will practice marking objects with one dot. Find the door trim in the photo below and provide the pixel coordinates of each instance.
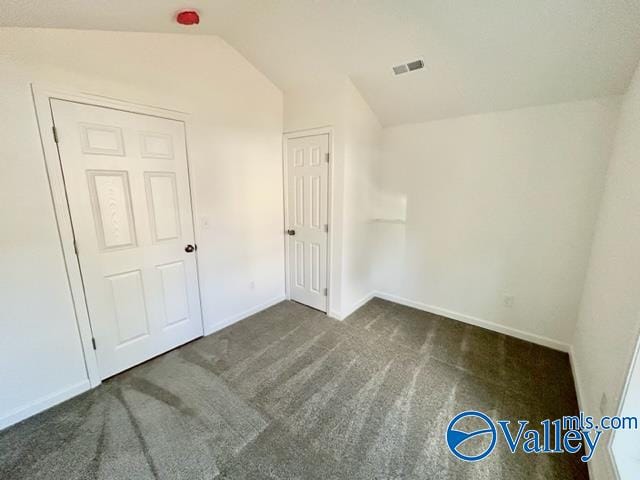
(633, 363)
(328, 130)
(44, 116)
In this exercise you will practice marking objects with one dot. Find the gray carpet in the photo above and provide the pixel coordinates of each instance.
(291, 394)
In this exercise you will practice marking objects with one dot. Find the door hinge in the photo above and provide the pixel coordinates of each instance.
(326, 292)
(326, 227)
(55, 133)
(93, 342)
(75, 247)
(327, 156)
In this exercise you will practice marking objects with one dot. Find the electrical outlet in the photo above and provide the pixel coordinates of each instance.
(508, 301)
(604, 404)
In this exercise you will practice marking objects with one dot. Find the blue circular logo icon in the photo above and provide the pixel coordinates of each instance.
(457, 438)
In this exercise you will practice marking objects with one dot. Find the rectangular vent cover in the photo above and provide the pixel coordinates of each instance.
(408, 67)
(398, 69)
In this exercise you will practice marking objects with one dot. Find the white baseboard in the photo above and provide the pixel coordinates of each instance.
(43, 403)
(209, 329)
(579, 394)
(576, 379)
(607, 460)
(513, 332)
(342, 315)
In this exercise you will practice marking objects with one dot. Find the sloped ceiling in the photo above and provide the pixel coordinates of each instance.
(480, 55)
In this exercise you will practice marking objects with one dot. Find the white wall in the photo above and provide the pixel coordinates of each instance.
(609, 320)
(363, 142)
(496, 204)
(235, 148)
(356, 147)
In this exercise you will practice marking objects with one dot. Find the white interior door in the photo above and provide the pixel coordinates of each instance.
(127, 185)
(307, 223)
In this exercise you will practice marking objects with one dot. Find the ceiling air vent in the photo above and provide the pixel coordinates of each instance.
(398, 69)
(408, 67)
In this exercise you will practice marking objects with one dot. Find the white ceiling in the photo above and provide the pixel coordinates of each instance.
(480, 55)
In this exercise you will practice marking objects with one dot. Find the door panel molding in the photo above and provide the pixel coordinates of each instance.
(288, 246)
(42, 96)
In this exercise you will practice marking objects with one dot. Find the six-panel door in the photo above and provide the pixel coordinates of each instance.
(127, 184)
(307, 184)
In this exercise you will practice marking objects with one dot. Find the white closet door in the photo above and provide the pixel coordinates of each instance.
(127, 185)
(307, 223)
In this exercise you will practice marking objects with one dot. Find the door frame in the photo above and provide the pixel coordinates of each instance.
(328, 130)
(53, 165)
(633, 363)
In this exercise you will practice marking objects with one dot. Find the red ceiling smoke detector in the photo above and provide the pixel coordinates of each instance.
(188, 17)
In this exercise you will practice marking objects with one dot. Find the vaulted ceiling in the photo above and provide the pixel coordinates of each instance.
(480, 56)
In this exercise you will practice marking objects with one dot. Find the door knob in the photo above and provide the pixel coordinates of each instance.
(189, 248)
(291, 232)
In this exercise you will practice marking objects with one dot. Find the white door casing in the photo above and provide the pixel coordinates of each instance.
(307, 215)
(127, 185)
